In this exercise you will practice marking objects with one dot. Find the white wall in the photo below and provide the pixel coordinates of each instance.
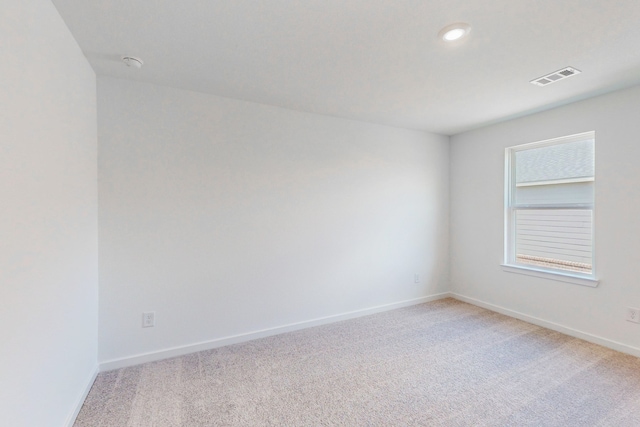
(48, 217)
(226, 217)
(477, 185)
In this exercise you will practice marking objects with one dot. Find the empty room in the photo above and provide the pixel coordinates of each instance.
(319, 213)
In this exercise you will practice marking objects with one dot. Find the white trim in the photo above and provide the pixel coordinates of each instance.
(234, 339)
(557, 181)
(546, 274)
(615, 345)
(71, 419)
(553, 141)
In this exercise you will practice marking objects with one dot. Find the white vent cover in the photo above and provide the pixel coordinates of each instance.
(555, 76)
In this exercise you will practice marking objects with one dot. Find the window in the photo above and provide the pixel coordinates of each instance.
(549, 199)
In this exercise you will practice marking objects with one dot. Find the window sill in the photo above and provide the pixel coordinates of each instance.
(560, 277)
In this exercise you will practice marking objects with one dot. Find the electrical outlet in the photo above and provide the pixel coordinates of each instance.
(149, 319)
(633, 314)
(416, 278)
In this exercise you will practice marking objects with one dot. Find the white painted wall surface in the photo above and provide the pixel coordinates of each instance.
(227, 217)
(48, 217)
(477, 185)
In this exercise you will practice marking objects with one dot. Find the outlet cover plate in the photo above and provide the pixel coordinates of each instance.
(633, 314)
(149, 319)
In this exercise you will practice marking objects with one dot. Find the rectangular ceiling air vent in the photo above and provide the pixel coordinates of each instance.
(555, 76)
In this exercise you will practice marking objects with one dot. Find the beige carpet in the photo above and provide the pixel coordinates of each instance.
(444, 363)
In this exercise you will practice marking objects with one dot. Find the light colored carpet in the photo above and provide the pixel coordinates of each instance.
(444, 363)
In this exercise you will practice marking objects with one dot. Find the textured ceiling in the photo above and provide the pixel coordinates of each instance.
(373, 60)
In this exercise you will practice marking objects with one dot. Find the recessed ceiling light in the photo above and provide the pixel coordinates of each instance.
(132, 61)
(454, 31)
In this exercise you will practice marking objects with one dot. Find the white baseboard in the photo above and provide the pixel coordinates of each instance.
(81, 398)
(634, 351)
(221, 342)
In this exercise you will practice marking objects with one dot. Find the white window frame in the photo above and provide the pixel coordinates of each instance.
(510, 208)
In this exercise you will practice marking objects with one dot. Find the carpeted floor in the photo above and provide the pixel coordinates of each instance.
(444, 363)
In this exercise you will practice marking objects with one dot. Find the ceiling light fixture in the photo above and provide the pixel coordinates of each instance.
(454, 32)
(132, 61)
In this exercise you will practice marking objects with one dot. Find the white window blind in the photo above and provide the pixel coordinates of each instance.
(549, 205)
